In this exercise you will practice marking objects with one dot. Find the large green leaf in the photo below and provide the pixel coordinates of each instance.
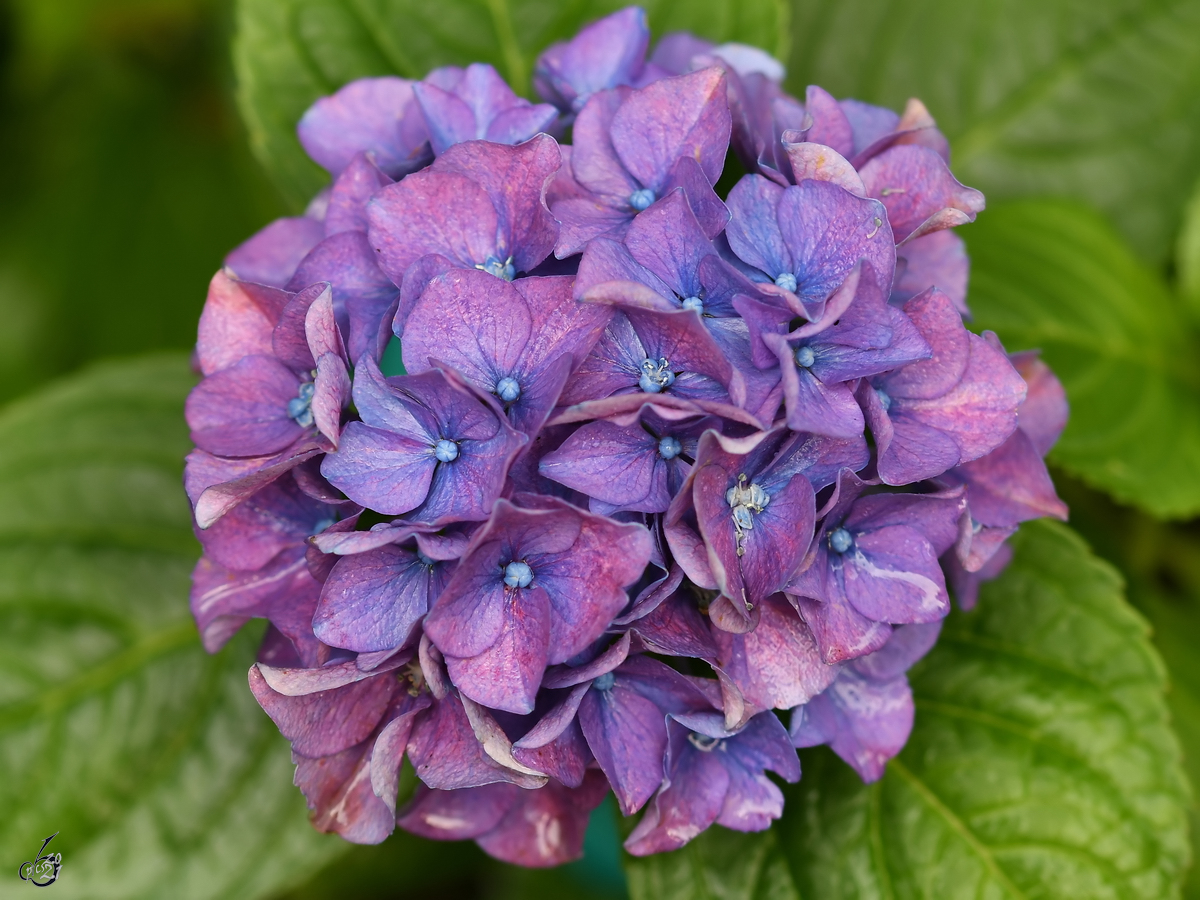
(1041, 763)
(1052, 275)
(149, 757)
(1095, 99)
(290, 52)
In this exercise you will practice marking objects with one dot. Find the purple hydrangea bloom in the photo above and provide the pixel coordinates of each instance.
(805, 239)
(822, 361)
(535, 587)
(480, 205)
(632, 147)
(874, 563)
(754, 511)
(518, 341)
(637, 467)
(933, 414)
(429, 447)
(650, 352)
(631, 443)
(713, 775)
(475, 104)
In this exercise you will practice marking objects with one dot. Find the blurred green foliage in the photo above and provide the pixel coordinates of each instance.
(128, 179)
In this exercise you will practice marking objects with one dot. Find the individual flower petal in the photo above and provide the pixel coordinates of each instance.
(373, 600)
(919, 192)
(375, 115)
(831, 126)
(604, 54)
(270, 256)
(327, 722)
(475, 104)
(458, 814)
(778, 664)
(670, 119)
(818, 162)
(957, 406)
(238, 320)
(545, 827)
(359, 181)
(1043, 414)
(865, 722)
(938, 259)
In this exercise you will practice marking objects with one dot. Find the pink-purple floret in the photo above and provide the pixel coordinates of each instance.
(661, 465)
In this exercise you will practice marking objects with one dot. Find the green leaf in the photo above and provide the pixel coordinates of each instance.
(1041, 764)
(1187, 256)
(718, 865)
(1093, 99)
(287, 53)
(1051, 275)
(148, 756)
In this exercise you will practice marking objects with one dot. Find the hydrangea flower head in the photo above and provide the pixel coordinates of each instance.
(672, 484)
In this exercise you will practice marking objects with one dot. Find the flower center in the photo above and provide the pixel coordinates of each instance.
(504, 270)
(884, 400)
(642, 198)
(805, 357)
(445, 451)
(669, 447)
(604, 682)
(507, 389)
(426, 560)
(693, 303)
(840, 540)
(745, 500)
(518, 574)
(322, 525)
(703, 742)
(299, 408)
(656, 376)
(414, 676)
(787, 281)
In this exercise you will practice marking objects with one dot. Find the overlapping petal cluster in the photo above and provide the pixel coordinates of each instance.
(672, 484)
